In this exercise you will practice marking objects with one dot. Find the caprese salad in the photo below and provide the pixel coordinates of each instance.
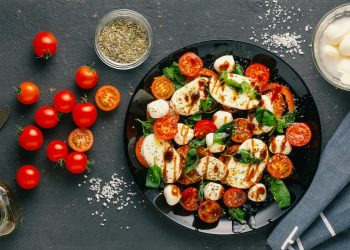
(218, 140)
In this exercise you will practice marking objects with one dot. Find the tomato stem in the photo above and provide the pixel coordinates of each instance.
(18, 90)
(19, 129)
(84, 99)
(60, 163)
(59, 116)
(91, 65)
(90, 164)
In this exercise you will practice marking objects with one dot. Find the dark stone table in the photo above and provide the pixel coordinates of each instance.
(57, 214)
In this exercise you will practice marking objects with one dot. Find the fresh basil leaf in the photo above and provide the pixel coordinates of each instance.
(244, 156)
(238, 70)
(246, 87)
(220, 138)
(154, 177)
(192, 160)
(229, 82)
(147, 126)
(265, 117)
(228, 128)
(285, 121)
(256, 95)
(201, 190)
(206, 105)
(174, 74)
(197, 143)
(191, 120)
(237, 214)
(280, 192)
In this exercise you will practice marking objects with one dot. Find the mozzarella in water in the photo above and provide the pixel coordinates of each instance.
(184, 134)
(280, 145)
(221, 118)
(161, 153)
(330, 51)
(186, 100)
(229, 96)
(334, 34)
(213, 191)
(172, 194)
(211, 168)
(344, 66)
(344, 46)
(226, 62)
(158, 108)
(213, 147)
(257, 193)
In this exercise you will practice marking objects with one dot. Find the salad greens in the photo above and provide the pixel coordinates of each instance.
(266, 117)
(147, 126)
(244, 156)
(237, 214)
(192, 161)
(280, 192)
(174, 74)
(238, 70)
(154, 177)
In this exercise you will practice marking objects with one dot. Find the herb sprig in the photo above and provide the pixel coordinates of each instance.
(147, 126)
(267, 118)
(174, 74)
(244, 156)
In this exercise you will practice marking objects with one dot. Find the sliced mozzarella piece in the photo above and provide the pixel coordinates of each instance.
(280, 145)
(158, 108)
(330, 51)
(224, 63)
(172, 194)
(211, 168)
(221, 118)
(184, 134)
(186, 100)
(229, 96)
(213, 147)
(213, 191)
(259, 129)
(243, 175)
(334, 34)
(161, 153)
(257, 193)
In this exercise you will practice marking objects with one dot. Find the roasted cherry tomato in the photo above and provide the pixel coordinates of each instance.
(204, 127)
(44, 44)
(80, 139)
(64, 101)
(209, 211)
(46, 117)
(86, 77)
(189, 199)
(189, 178)
(28, 177)
(279, 166)
(234, 197)
(84, 115)
(138, 154)
(190, 64)
(298, 134)
(207, 72)
(162, 87)
(279, 105)
(56, 150)
(107, 98)
(259, 73)
(27, 93)
(166, 127)
(243, 130)
(76, 162)
(278, 88)
(203, 152)
(31, 138)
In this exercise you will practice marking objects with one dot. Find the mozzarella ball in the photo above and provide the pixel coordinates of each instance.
(213, 147)
(184, 134)
(224, 63)
(344, 66)
(257, 193)
(158, 108)
(345, 78)
(222, 117)
(213, 191)
(344, 46)
(334, 34)
(330, 51)
(172, 194)
(280, 145)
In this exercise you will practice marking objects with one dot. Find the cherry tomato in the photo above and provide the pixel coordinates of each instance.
(298, 134)
(259, 73)
(80, 139)
(107, 98)
(204, 127)
(166, 127)
(234, 197)
(162, 87)
(279, 166)
(139, 156)
(189, 199)
(207, 72)
(31, 138)
(278, 88)
(28, 177)
(27, 93)
(46, 117)
(86, 77)
(56, 150)
(44, 44)
(64, 101)
(203, 152)
(279, 105)
(209, 211)
(84, 115)
(243, 130)
(76, 162)
(190, 64)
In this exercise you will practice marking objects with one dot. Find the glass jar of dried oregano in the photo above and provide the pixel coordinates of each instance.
(123, 39)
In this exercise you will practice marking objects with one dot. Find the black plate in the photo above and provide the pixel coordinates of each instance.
(305, 159)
